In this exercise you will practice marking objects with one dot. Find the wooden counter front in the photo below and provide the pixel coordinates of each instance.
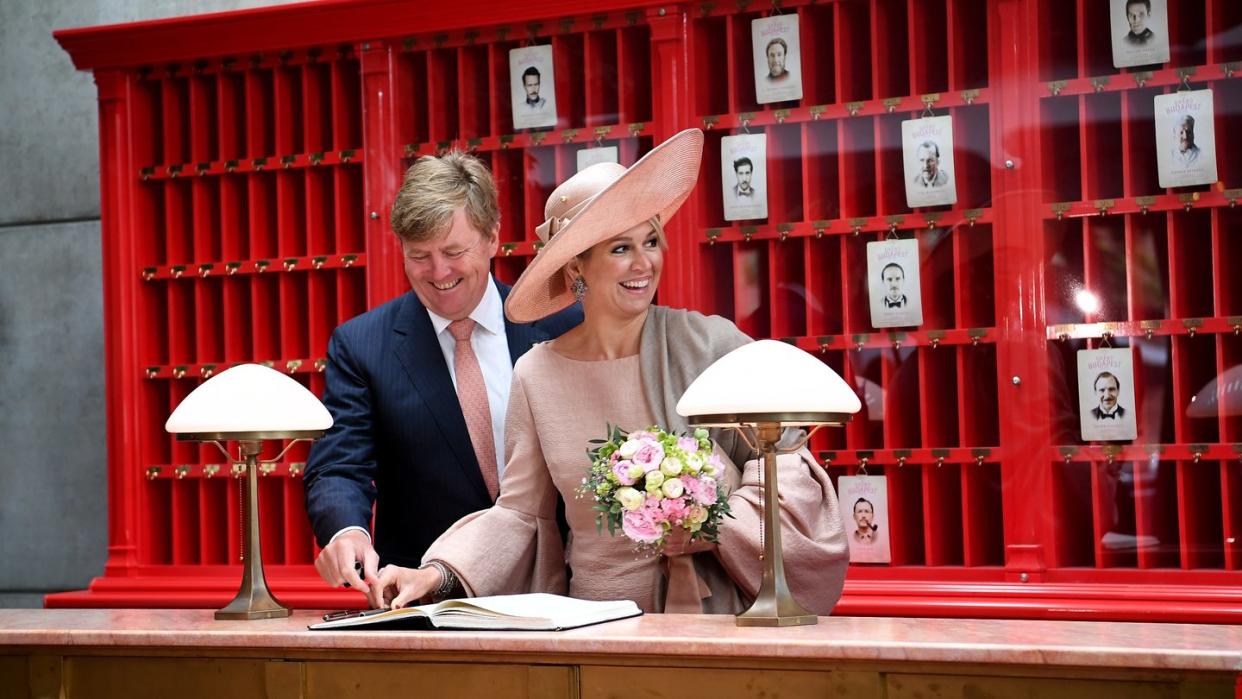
(186, 654)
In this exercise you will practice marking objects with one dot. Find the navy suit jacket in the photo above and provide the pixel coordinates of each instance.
(398, 439)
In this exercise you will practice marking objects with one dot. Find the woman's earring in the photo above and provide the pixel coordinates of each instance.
(578, 287)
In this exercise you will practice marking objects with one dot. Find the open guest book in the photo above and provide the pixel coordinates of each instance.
(532, 612)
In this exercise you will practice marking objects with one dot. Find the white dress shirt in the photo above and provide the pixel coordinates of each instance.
(491, 346)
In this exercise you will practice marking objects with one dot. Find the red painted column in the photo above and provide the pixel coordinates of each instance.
(1025, 430)
(381, 171)
(670, 106)
(120, 291)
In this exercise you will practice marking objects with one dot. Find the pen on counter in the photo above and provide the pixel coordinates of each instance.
(352, 614)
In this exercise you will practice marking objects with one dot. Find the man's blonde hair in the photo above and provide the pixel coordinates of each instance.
(434, 187)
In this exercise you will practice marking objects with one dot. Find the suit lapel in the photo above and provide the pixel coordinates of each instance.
(420, 355)
(520, 336)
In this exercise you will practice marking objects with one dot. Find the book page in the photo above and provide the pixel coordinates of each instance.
(530, 606)
(536, 611)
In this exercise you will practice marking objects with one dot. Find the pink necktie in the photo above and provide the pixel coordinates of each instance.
(472, 393)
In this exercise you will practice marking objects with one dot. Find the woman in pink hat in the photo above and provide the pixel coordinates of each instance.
(627, 364)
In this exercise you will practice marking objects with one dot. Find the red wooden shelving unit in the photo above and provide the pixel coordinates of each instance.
(248, 162)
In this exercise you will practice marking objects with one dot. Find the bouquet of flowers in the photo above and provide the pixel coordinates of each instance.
(650, 481)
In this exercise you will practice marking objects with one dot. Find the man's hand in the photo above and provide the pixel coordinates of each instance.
(396, 587)
(338, 563)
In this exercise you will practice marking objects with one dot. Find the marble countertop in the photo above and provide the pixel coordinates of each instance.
(867, 639)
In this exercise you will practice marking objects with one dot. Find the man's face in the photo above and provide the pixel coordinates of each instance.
(1185, 136)
(929, 162)
(776, 60)
(1106, 390)
(1136, 15)
(449, 273)
(531, 83)
(894, 279)
(743, 177)
(863, 515)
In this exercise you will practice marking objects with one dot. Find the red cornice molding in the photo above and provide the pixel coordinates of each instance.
(305, 24)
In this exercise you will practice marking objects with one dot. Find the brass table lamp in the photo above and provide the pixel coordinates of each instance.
(250, 404)
(765, 387)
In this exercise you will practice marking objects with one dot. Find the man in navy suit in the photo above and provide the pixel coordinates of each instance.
(400, 439)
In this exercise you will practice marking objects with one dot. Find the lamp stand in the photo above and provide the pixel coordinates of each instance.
(774, 605)
(253, 600)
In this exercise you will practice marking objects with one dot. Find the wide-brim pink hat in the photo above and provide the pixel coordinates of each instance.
(596, 204)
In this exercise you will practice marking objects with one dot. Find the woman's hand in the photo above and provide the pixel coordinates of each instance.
(397, 586)
(679, 543)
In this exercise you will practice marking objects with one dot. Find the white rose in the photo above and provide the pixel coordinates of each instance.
(630, 498)
(671, 466)
(694, 462)
(673, 488)
(654, 480)
(629, 448)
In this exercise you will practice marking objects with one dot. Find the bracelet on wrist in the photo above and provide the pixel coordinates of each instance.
(448, 581)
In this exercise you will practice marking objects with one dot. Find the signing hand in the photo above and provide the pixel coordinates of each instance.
(396, 586)
(338, 562)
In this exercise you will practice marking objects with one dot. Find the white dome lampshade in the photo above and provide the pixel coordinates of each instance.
(249, 401)
(768, 380)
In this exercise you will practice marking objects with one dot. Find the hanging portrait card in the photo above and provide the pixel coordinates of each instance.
(1185, 138)
(1106, 406)
(1140, 32)
(533, 87)
(744, 176)
(778, 58)
(927, 151)
(864, 513)
(592, 156)
(893, 283)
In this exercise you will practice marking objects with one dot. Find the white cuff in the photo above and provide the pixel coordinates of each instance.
(350, 529)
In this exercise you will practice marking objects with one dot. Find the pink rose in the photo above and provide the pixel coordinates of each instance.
(675, 509)
(688, 444)
(639, 527)
(649, 455)
(621, 471)
(694, 488)
(651, 510)
(714, 465)
(703, 491)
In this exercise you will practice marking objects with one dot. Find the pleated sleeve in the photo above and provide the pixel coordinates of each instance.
(514, 546)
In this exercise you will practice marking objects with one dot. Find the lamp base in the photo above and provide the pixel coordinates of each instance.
(253, 604)
(757, 620)
(254, 600)
(776, 607)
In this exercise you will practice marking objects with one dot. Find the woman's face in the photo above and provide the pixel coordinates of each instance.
(621, 273)
(863, 515)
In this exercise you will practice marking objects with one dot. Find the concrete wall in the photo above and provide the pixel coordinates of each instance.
(53, 503)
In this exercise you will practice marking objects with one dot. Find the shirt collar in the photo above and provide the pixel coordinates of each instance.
(489, 314)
